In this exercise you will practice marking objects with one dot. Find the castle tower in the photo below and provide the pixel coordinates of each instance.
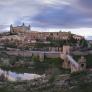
(11, 29)
(41, 56)
(66, 63)
(66, 49)
(82, 63)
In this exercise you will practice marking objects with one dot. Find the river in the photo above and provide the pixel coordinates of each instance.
(13, 76)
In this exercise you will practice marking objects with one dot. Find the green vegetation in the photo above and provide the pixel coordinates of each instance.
(78, 75)
(4, 90)
(83, 43)
(22, 64)
(84, 87)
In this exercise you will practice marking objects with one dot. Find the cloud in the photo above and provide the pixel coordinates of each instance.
(64, 18)
(84, 6)
(54, 3)
(52, 12)
(11, 10)
(48, 14)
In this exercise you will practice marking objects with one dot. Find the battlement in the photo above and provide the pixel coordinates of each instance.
(19, 29)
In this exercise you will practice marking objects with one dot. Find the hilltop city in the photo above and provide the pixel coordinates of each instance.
(23, 36)
(34, 61)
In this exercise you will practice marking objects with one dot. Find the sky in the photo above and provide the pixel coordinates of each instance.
(48, 15)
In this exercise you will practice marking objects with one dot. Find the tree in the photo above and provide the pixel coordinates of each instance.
(83, 43)
(35, 58)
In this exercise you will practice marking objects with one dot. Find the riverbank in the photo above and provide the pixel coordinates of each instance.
(21, 64)
(80, 82)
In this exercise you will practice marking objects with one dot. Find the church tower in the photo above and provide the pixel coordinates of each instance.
(29, 27)
(23, 25)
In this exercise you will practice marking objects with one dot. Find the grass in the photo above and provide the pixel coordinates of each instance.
(82, 88)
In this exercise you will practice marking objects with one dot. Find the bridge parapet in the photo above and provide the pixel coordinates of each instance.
(75, 67)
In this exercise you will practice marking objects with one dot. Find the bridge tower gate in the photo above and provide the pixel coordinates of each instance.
(82, 63)
(66, 63)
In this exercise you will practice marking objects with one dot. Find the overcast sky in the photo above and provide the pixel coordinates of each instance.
(48, 15)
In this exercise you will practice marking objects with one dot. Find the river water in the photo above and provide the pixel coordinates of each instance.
(13, 76)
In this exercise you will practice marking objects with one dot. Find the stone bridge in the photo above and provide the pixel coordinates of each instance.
(69, 62)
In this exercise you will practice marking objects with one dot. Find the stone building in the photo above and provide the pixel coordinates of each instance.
(42, 36)
(24, 35)
(77, 37)
(19, 29)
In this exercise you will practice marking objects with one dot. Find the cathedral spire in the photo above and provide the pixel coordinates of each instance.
(23, 24)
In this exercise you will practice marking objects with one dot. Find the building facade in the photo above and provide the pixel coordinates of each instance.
(43, 36)
(19, 29)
